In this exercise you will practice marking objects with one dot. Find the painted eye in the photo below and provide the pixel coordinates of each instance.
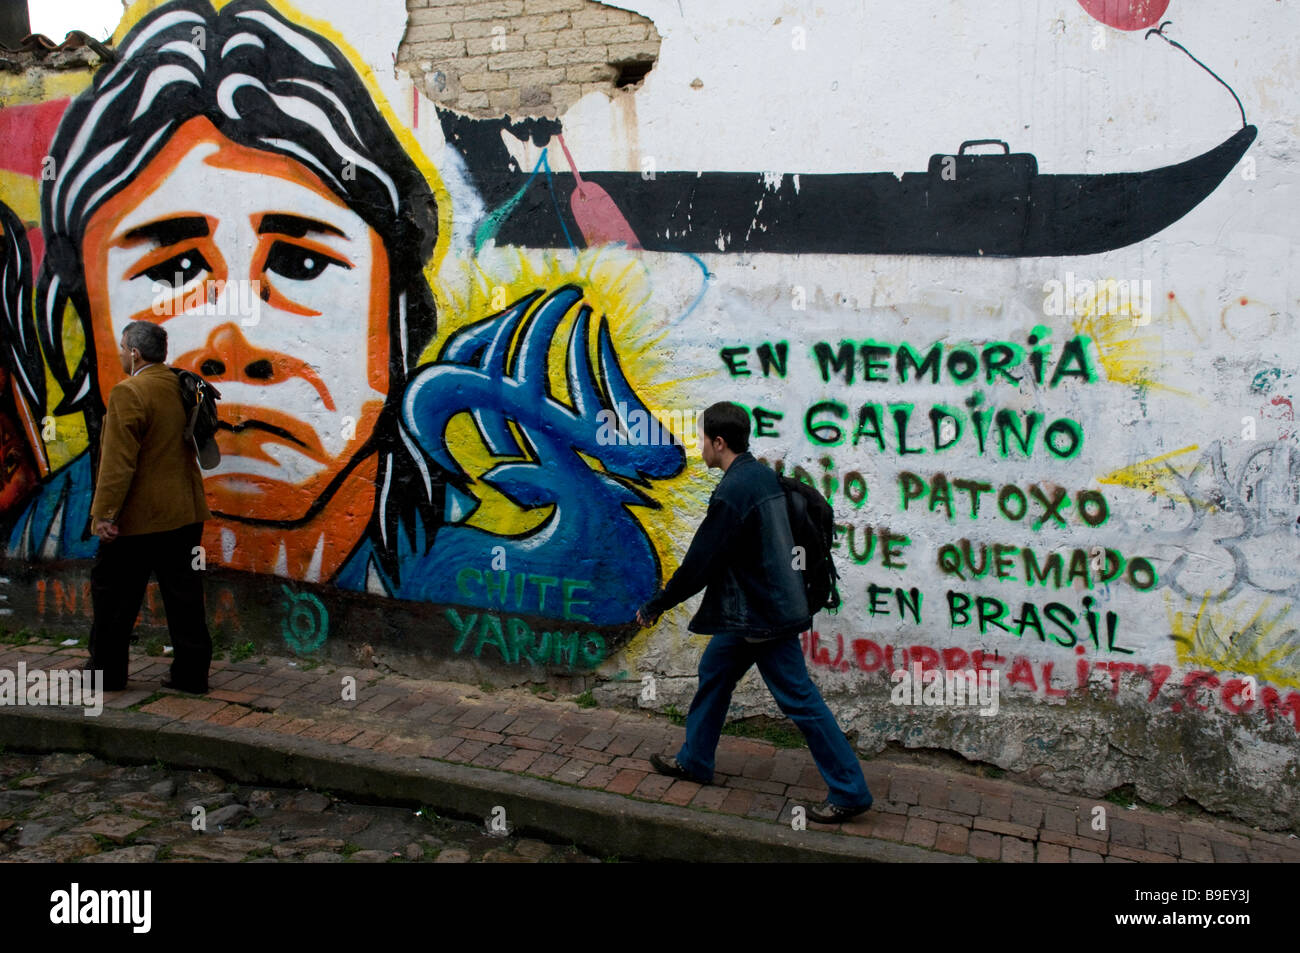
(297, 263)
(179, 270)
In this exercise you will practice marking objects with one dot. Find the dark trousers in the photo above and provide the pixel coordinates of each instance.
(118, 583)
(780, 662)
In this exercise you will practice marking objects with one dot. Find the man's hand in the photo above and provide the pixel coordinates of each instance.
(643, 620)
(105, 530)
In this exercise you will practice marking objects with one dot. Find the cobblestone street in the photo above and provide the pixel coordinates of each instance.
(67, 808)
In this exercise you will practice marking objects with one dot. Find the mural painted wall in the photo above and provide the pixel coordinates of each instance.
(1045, 377)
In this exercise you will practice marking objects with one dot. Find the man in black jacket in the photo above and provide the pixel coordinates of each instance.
(754, 607)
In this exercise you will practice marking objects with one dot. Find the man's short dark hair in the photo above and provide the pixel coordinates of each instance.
(728, 421)
(147, 338)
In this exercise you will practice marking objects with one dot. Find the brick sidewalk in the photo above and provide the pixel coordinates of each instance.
(608, 750)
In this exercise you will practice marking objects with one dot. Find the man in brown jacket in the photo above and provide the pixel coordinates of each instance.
(148, 513)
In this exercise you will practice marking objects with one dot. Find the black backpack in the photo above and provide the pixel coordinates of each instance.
(812, 521)
(199, 398)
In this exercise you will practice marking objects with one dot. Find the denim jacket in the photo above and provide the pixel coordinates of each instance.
(743, 554)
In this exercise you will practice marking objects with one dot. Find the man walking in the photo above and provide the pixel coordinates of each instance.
(148, 513)
(754, 607)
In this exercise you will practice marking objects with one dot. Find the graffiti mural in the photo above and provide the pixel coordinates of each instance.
(1046, 378)
(233, 177)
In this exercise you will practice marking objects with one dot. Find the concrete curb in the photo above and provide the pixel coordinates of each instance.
(597, 821)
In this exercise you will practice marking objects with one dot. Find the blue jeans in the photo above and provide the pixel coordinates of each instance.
(780, 662)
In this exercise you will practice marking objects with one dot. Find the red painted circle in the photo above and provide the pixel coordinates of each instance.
(1126, 14)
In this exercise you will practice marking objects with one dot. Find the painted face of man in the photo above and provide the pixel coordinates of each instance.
(272, 288)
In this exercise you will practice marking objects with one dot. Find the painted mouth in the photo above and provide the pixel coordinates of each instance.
(248, 431)
(260, 425)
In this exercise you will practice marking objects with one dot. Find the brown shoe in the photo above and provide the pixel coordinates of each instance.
(828, 813)
(670, 767)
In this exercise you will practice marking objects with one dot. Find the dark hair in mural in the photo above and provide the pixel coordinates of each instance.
(22, 354)
(728, 421)
(267, 84)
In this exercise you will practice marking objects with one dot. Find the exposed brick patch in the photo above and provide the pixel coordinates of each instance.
(1078, 856)
(543, 50)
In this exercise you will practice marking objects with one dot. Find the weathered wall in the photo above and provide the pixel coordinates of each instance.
(1049, 393)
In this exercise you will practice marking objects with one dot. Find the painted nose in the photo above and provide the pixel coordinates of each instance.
(228, 355)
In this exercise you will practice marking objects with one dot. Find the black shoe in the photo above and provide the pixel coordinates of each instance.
(115, 687)
(828, 813)
(196, 690)
(670, 767)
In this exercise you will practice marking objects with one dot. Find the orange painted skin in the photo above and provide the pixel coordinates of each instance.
(338, 527)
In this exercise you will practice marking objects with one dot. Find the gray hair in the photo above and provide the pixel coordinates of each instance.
(147, 338)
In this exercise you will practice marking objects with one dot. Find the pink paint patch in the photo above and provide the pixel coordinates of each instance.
(26, 133)
(1126, 14)
(599, 218)
(596, 212)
